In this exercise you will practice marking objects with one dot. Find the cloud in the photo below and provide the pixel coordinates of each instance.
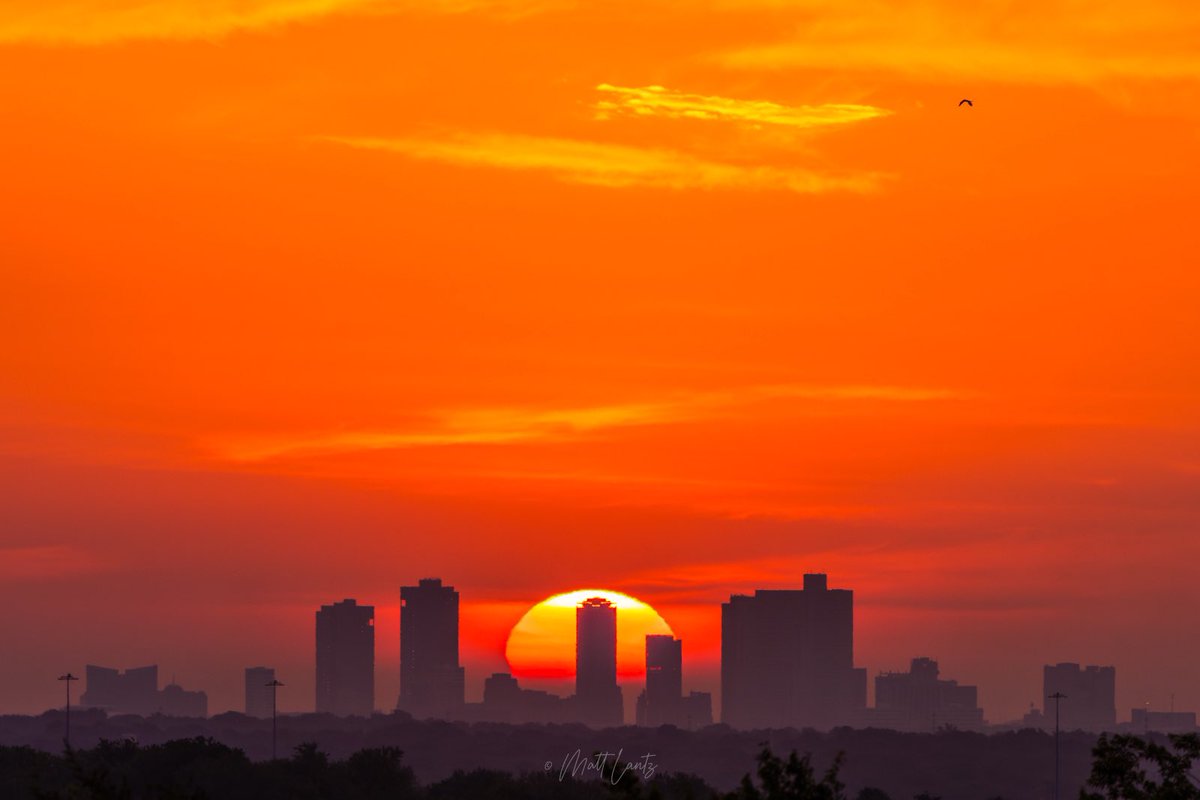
(657, 101)
(1056, 42)
(501, 426)
(103, 21)
(611, 165)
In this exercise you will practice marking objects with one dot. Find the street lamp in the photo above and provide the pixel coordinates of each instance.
(1057, 697)
(274, 684)
(67, 679)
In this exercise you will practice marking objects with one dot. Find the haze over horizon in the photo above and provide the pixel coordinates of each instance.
(307, 301)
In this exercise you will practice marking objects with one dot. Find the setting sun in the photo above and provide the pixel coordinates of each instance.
(542, 643)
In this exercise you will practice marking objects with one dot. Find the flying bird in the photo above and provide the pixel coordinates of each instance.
(968, 102)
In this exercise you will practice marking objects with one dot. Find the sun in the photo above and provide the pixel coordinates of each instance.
(542, 643)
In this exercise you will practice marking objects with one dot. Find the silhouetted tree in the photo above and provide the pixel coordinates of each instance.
(377, 774)
(1132, 768)
(91, 778)
(793, 779)
(871, 793)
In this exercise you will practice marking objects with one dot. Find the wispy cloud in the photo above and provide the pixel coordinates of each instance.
(98, 22)
(502, 426)
(611, 165)
(1056, 42)
(658, 101)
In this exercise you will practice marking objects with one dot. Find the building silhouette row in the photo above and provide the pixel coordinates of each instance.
(135, 691)
(787, 660)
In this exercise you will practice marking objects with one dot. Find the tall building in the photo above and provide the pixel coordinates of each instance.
(134, 691)
(662, 702)
(787, 658)
(597, 696)
(1091, 696)
(258, 694)
(346, 659)
(431, 679)
(918, 700)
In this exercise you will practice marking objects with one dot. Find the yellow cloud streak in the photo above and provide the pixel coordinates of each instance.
(661, 102)
(102, 21)
(499, 426)
(611, 165)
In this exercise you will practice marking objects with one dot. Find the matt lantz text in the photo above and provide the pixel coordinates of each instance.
(606, 764)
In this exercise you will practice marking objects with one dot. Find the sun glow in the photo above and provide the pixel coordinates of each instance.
(542, 643)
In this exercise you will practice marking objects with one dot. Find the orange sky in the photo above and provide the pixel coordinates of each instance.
(305, 299)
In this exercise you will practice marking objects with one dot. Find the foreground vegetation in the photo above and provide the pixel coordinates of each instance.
(201, 768)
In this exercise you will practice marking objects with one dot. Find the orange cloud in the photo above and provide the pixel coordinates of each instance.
(611, 165)
(515, 425)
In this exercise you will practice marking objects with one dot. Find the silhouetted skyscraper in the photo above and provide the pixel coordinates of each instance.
(1091, 696)
(346, 659)
(918, 700)
(662, 702)
(787, 658)
(258, 694)
(597, 696)
(431, 680)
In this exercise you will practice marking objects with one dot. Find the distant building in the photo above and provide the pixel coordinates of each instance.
(505, 701)
(134, 691)
(918, 700)
(1091, 696)
(663, 701)
(697, 711)
(787, 658)
(597, 696)
(175, 701)
(1142, 719)
(431, 679)
(346, 659)
(258, 694)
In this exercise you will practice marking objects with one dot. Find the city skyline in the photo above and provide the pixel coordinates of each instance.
(468, 378)
(821, 617)
(681, 301)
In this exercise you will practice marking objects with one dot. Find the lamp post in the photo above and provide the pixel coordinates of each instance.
(67, 679)
(274, 684)
(1057, 697)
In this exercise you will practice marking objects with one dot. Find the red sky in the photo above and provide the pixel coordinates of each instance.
(308, 300)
